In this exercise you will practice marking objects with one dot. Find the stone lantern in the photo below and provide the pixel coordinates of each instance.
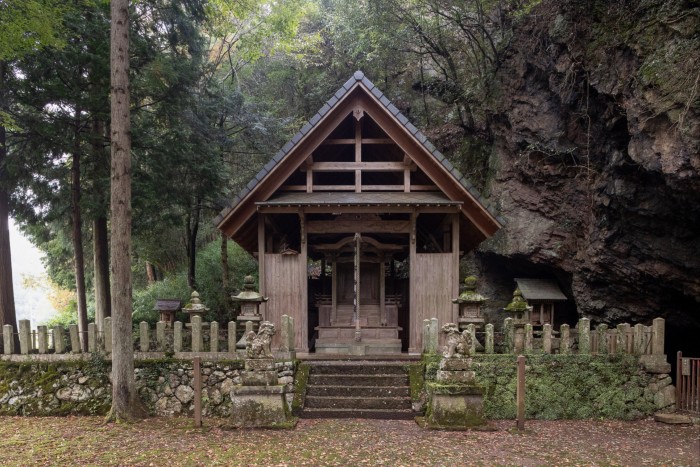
(519, 308)
(195, 307)
(521, 317)
(470, 302)
(250, 301)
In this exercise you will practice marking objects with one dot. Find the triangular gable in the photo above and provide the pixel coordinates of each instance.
(358, 91)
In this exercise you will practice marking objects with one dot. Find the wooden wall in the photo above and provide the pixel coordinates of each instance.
(285, 286)
(433, 283)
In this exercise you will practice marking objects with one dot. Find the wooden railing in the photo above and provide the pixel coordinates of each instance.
(688, 384)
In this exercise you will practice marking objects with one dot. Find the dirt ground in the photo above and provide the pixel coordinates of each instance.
(171, 442)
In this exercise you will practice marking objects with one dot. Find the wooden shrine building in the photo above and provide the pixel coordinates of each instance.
(358, 224)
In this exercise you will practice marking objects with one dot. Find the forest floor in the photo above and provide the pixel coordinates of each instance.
(174, 441)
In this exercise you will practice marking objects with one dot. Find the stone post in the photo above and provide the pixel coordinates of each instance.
(92, 337)
(471, 329)
(25, 336)
(509, 335)
(527, 345)
(43, 332)
(160, 336)
(488, 347)
(231, 336)
(584, 336)
(74, 338)
(214, 336)
(433, 338)
(285, 334)
(564, 340)
(621, 338)
(196, 333)
(426, 335)
(8, 339)
(144, 338)
(639, 339)
(602, 331)
(59, 341)
(107, 329)
(547, 338)
(177, 336)
(658, 336)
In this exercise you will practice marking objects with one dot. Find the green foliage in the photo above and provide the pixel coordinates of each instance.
(29, 25)
(209, 275)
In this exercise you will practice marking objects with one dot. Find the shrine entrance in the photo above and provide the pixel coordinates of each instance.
(358, 307)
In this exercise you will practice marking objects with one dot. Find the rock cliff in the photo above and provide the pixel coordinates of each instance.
(596, 158)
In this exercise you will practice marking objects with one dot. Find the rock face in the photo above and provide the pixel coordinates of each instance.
(597, 159)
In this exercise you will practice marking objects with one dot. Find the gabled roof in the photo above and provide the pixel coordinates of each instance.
(540, 290)
(474, 206)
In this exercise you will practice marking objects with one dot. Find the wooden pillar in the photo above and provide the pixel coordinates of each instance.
(304, 312)
(414, 340)
(455, 265)
(520, 393)
(382, 290)
(334, 290)
(261, 259)
(358, 155)
(356, 284)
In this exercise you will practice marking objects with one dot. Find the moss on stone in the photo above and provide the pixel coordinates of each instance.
(301, 379)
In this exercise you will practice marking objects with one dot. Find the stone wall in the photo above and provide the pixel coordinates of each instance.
(83, 386)
(570, 386)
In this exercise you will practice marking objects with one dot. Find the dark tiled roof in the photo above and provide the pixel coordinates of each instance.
(366, 199)
(540, 289)
(167, 304)
(359, 77)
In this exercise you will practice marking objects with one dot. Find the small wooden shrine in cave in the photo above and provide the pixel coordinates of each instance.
(358, 224)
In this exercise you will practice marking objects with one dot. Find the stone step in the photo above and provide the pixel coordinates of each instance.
(357, 380)
(358, 403)
(344, 368)
(402, 414)
(358, 391)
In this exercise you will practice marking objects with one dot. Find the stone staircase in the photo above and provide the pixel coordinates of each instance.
(358, 389)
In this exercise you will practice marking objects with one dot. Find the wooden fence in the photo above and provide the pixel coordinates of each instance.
(515, 338)
(198, 336)
(688, 384)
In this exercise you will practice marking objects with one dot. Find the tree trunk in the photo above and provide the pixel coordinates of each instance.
(7, 294)
(150, 273)
(125, 401)
(103, 306)
(192, 230)
(78, 254)
(224, 262)
(100, 237)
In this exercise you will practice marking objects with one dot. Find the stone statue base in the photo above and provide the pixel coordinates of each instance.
(456, 401)
(260, 402)
(260, 407)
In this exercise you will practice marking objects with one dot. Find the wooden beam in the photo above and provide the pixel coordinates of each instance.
(336, 226)
(358, 165)
(348, 141)
(382, 291)
(379, 209)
